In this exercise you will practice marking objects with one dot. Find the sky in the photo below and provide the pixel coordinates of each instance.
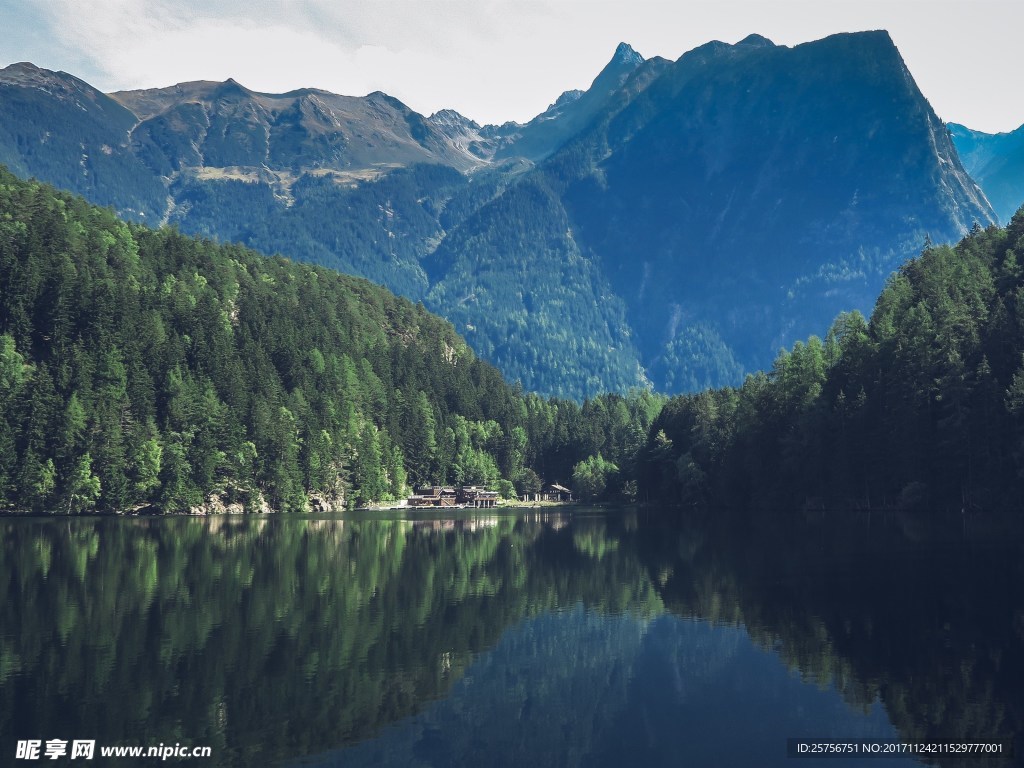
(497, 60)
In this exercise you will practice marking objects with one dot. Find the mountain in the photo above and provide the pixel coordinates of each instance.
(207, 127)
(996, 162)
(751, 191)
(467, 135)
(513, 279)
(715, 209)
(537, 139)
(920, 408)
(573, 110)
(141, 369)
(60, 129)
(355, 184)
(144, 369)
(673, 224)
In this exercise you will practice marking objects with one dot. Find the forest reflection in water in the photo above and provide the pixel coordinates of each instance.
(582, 638)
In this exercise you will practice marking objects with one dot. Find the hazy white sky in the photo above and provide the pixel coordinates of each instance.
(497, 60)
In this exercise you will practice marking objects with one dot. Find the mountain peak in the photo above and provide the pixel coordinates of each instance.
(380, 97)
(756, 41)
(623, 63)
(879, 38)
(231, 87)
(625, 54)
(22, 66)
(25, 72)
(66, 88)
(567, 97)
(452, 118)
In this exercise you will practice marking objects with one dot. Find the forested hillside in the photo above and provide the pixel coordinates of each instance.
(145, 370)
(673, 225)
(923, 405)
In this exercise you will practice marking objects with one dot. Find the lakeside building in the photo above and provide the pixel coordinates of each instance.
(474, 496)
(550, 492)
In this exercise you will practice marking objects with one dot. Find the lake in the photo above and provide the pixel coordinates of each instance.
(571, 637)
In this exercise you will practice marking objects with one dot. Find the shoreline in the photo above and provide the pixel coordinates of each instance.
(138, 514)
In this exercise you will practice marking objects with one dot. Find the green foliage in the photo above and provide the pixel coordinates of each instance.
(143, 369)
(667, 229)
(590, 477)
(83, 487)
(562, 434)
(377, 229)
(697, 358)
(513, 280)
(920, 406)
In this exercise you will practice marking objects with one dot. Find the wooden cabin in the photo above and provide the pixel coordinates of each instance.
(556, 492)
(550, 492)
(477, 496)
(434, 496)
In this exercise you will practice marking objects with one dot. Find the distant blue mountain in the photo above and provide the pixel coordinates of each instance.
(673, 225)
(733, 202)
(996, 161)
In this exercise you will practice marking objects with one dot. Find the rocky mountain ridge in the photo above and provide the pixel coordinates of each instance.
(673, 224)
(778, 182)
(996, 162)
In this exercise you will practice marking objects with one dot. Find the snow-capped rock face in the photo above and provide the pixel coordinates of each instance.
(567, 98)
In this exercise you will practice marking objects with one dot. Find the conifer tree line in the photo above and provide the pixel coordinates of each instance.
(143, 370)
(920, 406)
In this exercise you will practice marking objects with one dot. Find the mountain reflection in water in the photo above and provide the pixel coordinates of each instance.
(593, 639)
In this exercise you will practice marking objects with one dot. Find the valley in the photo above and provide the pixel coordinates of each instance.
(673, 226)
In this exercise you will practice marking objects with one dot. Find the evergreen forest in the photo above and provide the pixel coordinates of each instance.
(143, 370)
(922, 405)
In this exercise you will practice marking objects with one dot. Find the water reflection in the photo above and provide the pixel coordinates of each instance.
(584, 639)
(575, 689)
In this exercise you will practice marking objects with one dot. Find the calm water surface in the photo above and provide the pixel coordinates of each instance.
(565, 639)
